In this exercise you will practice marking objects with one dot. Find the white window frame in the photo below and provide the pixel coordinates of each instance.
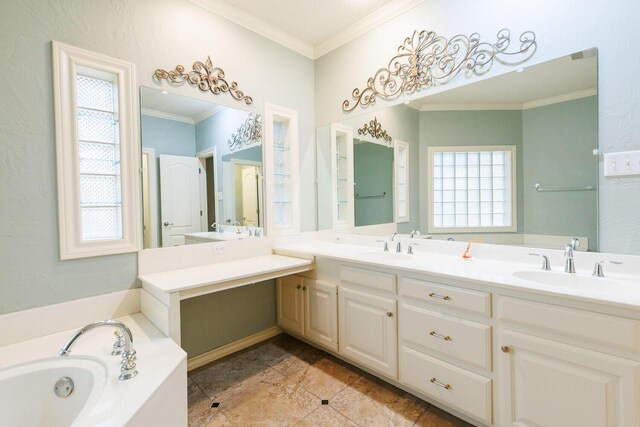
(349, 222)
(514, 184)
(66, 60)
(396, 171)
(272, 112)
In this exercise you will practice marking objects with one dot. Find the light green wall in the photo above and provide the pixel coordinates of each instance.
(558, 143)
(373, 176)
(460, 128)
(213, 320)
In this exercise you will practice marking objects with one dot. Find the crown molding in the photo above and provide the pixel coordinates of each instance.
(166, 116)
(502, 107)
(256, 25)
(368, 23)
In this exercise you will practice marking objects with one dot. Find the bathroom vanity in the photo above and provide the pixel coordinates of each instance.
(472, 336)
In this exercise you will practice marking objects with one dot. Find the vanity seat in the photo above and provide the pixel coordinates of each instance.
(174, 274)
(472, 336)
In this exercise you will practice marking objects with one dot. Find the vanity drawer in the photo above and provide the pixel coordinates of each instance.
(446, 296)
(465, 340)
(604, 330)
(368, 278)
(463, 390)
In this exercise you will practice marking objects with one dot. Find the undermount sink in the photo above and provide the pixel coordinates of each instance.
(567, 280)
(385, 256)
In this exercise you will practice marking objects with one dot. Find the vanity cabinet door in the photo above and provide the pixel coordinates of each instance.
(321, 313)
(368, 331)
(290, 302)
(547, 383)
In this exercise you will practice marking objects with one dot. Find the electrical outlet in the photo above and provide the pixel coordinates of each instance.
(219, 249)
(623, 163)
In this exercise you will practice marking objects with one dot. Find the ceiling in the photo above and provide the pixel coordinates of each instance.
(310, 27)
(159, 103)
(553, 81)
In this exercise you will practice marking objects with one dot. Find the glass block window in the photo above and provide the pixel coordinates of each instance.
(472, 188)
(282, 174)
(99, 158)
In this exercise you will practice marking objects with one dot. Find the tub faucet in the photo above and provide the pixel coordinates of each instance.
(128, 366)
(569, 266)
(393, 238)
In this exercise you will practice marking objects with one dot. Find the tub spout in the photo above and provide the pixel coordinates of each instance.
(128, 366)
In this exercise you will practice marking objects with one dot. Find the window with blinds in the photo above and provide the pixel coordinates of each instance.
(472, 189)
(99, 157)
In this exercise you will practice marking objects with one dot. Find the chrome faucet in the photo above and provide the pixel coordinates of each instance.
(128, 366)
(217, 227)
(546, 266)
(393, 238)
(569, 266)
(597, 269)
(415, 232)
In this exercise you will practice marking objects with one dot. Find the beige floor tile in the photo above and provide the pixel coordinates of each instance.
(210, 419)
(271, 401)
(371, 402)
(435, 417)
(197, 400)
(327, 377)
(326, 416)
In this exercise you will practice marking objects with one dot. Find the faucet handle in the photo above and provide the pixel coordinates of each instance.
(546, 265)
(575, 243)
(410, 248)
(118, 346)
(597, 269)
(386, 245)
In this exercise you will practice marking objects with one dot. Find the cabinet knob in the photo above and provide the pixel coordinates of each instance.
(389, 314)
(505, 349)
(304, 288)
(299, 286)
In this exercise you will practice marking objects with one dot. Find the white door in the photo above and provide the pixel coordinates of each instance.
(368, 330)
(550, 384)
(290, 304)
(180, 198)
(249, 195)
(321, 313)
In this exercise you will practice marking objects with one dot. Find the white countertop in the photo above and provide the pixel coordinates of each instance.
(624, 291)
(221, 272)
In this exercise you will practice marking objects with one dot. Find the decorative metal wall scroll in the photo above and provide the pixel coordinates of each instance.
(374, 128)
(206, 77)
(425, 59)
(248, 134)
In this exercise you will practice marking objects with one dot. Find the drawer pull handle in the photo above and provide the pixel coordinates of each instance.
(442, 337)
(505, 349)
(389, 314)
(444, 297)
(299, 286)
(439, 384)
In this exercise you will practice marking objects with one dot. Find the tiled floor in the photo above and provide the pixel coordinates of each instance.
(284, 381)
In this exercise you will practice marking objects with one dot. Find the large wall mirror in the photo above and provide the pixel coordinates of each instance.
(504, 160)
(202, 171)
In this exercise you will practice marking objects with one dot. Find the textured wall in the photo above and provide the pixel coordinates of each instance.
(561, 28)
(152, 34)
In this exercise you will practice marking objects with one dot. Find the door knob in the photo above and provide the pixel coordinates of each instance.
(166, 223)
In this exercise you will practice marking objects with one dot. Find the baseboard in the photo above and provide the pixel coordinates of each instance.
(225, 350)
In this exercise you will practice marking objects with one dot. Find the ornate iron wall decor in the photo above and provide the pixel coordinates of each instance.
(374, 128)
(206, 77)
(249, 133)
(425, 59)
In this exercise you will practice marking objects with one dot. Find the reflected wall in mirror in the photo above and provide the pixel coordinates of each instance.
(507, 160)
(202, 171)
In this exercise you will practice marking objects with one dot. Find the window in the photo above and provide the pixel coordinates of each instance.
(281, 166)
(97, 153)
(472, 189)
(401, 159)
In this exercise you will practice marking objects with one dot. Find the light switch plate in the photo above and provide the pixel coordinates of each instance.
(623, 163)
(218, 249)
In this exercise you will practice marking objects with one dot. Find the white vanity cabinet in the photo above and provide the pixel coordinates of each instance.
(559, 366)
(309, 308)
(368, 319)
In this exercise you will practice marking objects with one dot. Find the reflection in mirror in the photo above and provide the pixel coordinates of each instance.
(373, 181)
(506, 160)
(202, 171)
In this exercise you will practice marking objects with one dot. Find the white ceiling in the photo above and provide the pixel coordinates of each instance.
(159, 103)
(310, 27)
(549, 82)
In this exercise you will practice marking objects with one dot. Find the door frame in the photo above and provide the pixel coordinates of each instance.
(260, 167)
(202, 156)
(152, 179)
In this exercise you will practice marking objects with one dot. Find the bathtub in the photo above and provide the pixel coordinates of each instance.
(155, 397)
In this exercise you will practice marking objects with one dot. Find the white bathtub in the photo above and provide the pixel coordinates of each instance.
(155, 397)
